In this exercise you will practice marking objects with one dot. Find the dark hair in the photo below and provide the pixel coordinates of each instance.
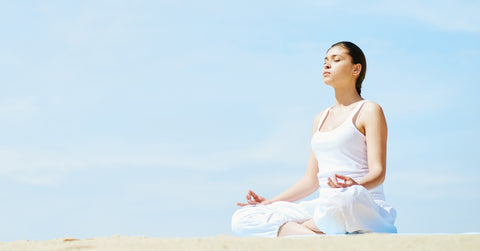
(357, 58)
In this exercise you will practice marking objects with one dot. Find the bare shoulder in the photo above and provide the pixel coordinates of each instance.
(372, 107)
(371, 112)
(316, 120)
(319, 116)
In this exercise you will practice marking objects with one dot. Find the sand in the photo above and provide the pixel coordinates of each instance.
(224, 242)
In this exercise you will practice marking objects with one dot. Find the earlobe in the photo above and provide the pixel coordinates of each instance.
(357, 69)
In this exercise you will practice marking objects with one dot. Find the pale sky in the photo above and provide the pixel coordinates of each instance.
(153, 118)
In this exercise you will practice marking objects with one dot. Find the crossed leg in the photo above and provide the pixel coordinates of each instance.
(293, 228)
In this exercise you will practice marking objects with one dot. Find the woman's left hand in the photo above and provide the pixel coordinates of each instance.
(340, 181)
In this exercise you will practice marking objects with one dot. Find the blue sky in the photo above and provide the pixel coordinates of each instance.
(153, 118)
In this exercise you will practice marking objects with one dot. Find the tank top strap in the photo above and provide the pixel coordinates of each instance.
(322, 119)
(356, 110)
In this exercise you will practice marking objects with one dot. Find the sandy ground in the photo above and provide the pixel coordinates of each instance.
(223, 242)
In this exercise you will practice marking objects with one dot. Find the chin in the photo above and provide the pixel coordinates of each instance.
(327, 81)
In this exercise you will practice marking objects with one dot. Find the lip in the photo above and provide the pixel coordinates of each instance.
(326, 73)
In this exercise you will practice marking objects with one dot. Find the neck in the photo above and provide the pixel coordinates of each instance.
(346, 96)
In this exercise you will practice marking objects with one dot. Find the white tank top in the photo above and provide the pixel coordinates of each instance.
(343, 151)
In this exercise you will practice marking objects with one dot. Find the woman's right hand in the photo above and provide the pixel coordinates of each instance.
(254, 199)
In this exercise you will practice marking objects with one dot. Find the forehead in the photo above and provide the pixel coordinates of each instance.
(337, 51)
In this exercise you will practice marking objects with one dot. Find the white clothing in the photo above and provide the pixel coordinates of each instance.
(341, 151)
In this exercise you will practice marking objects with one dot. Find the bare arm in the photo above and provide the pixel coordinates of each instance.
(372, 120)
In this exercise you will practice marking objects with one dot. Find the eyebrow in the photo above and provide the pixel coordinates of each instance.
(333, 55)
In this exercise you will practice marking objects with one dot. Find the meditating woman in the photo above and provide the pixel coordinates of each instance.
(347, 165)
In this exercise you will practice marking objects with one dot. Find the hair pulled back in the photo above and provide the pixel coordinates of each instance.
(357, 58)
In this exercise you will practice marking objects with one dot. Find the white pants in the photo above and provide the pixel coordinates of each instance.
(336, 211)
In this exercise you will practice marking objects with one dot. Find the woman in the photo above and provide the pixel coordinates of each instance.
(347, 164)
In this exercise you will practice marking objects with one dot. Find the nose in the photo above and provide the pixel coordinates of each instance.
(326, 66)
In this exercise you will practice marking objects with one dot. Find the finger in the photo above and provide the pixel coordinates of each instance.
(257, 197)
(339, 183)
(254, 195)
(330, 183)
(244, 204)
(249, 198)
(248, 195)
(345, 178)
(335, 181)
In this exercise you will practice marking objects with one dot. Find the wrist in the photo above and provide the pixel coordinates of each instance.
(266, 202)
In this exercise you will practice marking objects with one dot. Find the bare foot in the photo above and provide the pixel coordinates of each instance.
(310, 224)
(293, 228)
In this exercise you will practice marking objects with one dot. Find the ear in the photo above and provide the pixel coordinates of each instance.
(357, 68)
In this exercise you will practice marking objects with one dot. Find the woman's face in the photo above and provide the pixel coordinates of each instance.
(338, 68)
